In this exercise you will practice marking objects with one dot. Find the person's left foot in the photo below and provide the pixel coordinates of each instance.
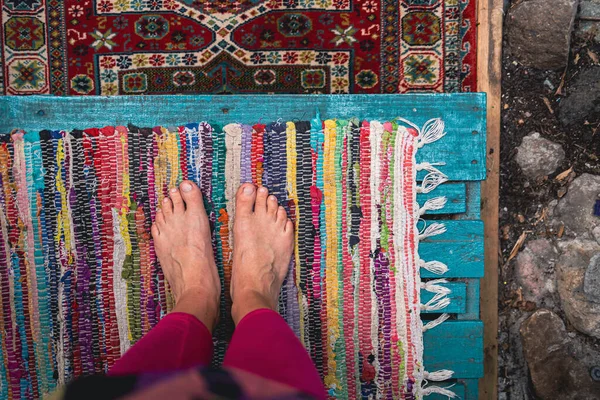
(183, 246)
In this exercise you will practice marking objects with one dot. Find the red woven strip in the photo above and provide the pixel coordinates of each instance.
(348, 316)
(364, 249)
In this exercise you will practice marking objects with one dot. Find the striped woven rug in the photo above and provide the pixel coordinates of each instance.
(83, 283)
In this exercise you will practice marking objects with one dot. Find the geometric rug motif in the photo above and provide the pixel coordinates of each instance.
(83, 282)
(128, 47)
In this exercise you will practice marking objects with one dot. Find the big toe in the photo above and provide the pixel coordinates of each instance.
(192, 196)
(244, 199)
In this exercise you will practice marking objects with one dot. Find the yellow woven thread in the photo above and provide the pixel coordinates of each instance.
(331, 257)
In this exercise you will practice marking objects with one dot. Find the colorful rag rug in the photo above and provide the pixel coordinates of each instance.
(109, 47)
(83, 283)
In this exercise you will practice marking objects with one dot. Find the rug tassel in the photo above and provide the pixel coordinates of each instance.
(432, 131)
(439, 390)
(439, 320)
(436, 203)
(437, 302)
(434, 286)
(435, 267)
(431, 181)
(438, 376)
(432, 230)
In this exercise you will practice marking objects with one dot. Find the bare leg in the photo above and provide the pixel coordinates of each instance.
(262, 248)
(181, 235)
(183, 338)
(263, 344)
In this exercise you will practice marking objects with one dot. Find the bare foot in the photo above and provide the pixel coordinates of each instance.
(262, 248)
(181, 235)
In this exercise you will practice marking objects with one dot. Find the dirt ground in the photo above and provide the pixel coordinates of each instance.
(530, 103)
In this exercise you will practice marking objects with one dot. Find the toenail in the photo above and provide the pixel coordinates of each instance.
(262, 189)
(166, 200)
(186, 187)
(248, 189)
(158, 210)
(174, 190)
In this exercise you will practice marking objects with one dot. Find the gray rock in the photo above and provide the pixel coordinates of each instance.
(555, 373)
(581, 311)
(588, 30)
(539, 32)
(538, 156)
(534, 271)
(576, 208)
(591, 280)
(596, 233)
(583, 100)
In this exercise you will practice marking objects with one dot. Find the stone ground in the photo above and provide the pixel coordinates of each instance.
(549, 294)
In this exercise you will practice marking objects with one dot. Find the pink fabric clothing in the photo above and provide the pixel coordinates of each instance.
(262, 344)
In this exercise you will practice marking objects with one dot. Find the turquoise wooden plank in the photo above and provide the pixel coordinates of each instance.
(462, 150)
(473, 202)
(472, 301)
(460, 248)
(457, 296)
(454, 192)
(471, 388)
(457, 346)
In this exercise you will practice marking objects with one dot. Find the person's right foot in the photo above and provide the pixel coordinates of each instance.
(262, 249)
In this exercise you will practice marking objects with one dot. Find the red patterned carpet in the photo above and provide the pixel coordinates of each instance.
(109, 47)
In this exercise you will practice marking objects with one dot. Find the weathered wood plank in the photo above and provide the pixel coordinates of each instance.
(457, 296)
(460, 248)
(457, 346)
(472, 301)
(490, 17)
(454, 192)
(461, 150)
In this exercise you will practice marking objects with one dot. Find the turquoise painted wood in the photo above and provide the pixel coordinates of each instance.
(472, 301)
(454, 192)
(462, 150)
(460, 248)
(456, 344)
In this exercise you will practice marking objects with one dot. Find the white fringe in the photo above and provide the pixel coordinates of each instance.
(439, 390)
(434, 286)
(436, 203)
(432, 230)
(439, 320)
(430, 167)
(437, 302)
(431, 181)
(432, 131)
(435, 267)
(438, 376)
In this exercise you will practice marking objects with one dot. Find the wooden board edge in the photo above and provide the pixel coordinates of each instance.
(490, 15)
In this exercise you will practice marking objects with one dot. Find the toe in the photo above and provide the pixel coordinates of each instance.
(260, 207)
(178, 204)
(244, 200)
(167, 207)
(159, 219)
(272, 206)
(155, 231)
(193, 198)
(281, 215)
(289, 226)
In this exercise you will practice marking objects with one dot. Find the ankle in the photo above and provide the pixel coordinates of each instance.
(245, 303)
(201, 306)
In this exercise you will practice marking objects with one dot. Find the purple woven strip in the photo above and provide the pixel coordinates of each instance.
(245, 168)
